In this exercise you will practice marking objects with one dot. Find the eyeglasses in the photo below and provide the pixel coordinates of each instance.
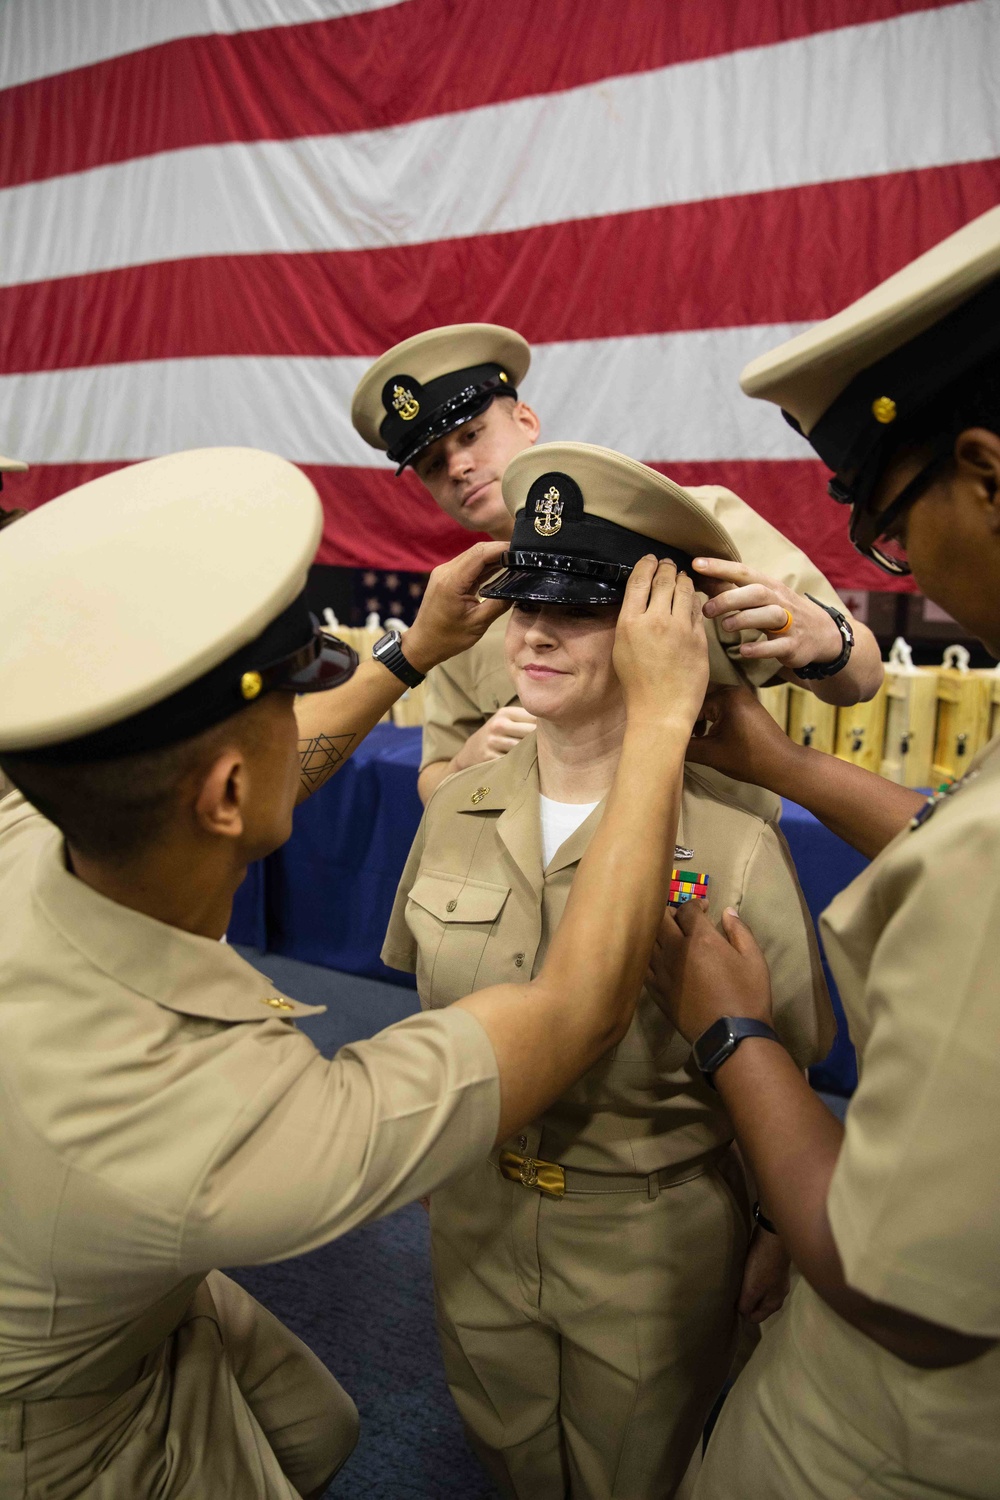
(879, 535)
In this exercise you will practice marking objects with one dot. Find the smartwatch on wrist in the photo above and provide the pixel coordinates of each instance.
(817, 669)
(763, 1220)
(722, 1039)
(389, 652)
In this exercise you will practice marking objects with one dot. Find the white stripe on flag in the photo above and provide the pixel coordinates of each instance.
(700, 130)
(660, 397)
(37, 40)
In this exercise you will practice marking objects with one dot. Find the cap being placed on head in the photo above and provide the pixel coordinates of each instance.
(156, 601)
(856, 384)
(430, 384)
(584, 516)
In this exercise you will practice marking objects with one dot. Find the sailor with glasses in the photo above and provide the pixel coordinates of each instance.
(883, 1378)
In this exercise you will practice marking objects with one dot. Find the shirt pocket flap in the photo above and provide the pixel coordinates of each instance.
(451, 898)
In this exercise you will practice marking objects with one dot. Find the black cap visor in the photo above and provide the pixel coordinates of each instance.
(324, 663)
(556, 578)
(451, 409)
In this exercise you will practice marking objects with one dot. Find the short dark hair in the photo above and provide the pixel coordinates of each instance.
(111, 809)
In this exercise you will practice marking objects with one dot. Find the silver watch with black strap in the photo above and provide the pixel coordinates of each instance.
(818, 669)
(389, 652)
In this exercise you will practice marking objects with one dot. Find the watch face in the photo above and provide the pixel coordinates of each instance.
(714, 1045)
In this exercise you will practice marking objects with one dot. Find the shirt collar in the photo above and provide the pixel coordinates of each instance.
(181, 971)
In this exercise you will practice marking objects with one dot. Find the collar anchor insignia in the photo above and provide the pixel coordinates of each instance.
(548, 512)
(405, 402)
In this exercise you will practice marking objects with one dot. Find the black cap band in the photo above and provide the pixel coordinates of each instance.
(291, 653)
(877, 411)
(417, 415)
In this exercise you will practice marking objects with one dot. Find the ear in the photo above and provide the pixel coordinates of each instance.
(221, 798)
(977, 462)
(527, 420)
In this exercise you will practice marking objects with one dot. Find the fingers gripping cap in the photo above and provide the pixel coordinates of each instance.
(130, 591)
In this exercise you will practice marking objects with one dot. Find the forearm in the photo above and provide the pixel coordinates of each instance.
(431, 777)
(865, 810)
(792, 1142)
(858, 682)
(547, 1034)
(332, 725)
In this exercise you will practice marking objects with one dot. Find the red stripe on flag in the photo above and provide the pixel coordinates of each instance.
(695, 265)
(373, 520)
(381, 68)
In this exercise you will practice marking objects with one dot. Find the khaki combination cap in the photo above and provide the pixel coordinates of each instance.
(428, 385)
(149, 604)
(854, 383)
(584, 516)
(12, 465)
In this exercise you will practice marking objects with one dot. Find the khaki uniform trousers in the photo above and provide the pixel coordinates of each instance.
(586, 1338)
(231, 1407)
(822, 1413)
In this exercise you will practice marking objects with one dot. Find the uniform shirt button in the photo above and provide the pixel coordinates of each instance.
(519, 959)
(451, 905)
(522, 1143)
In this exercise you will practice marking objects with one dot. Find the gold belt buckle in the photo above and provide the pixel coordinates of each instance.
(547, 1176)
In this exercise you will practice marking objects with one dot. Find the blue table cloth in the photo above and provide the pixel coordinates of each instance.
(325, 897)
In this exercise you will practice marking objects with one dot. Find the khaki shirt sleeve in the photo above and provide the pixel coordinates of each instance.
(914, 1204)
(399, 951)
(774, 908)
(450, 714)
(763, 547)
(320, 1147)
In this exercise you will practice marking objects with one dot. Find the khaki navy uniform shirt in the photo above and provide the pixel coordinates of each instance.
(914, 944)
(914, 1204)
(463, 693)
(475, 908)
(160, 1116)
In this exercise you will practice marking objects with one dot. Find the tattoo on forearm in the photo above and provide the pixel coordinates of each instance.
(321, 756)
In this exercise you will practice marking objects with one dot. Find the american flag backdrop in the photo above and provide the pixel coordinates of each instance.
(215, 213)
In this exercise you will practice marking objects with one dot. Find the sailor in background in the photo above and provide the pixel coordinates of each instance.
(883, 1376)
(447, 403)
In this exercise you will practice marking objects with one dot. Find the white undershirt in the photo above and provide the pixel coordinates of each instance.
(559, 821)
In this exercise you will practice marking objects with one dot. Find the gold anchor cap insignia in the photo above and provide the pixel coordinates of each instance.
(884, 410)
(479, 794)
(405, 402)
(548, 512)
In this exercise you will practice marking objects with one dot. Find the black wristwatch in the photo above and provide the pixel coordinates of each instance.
(763, 1220)
(817, 669)
(722, 1039)
(389, 652)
